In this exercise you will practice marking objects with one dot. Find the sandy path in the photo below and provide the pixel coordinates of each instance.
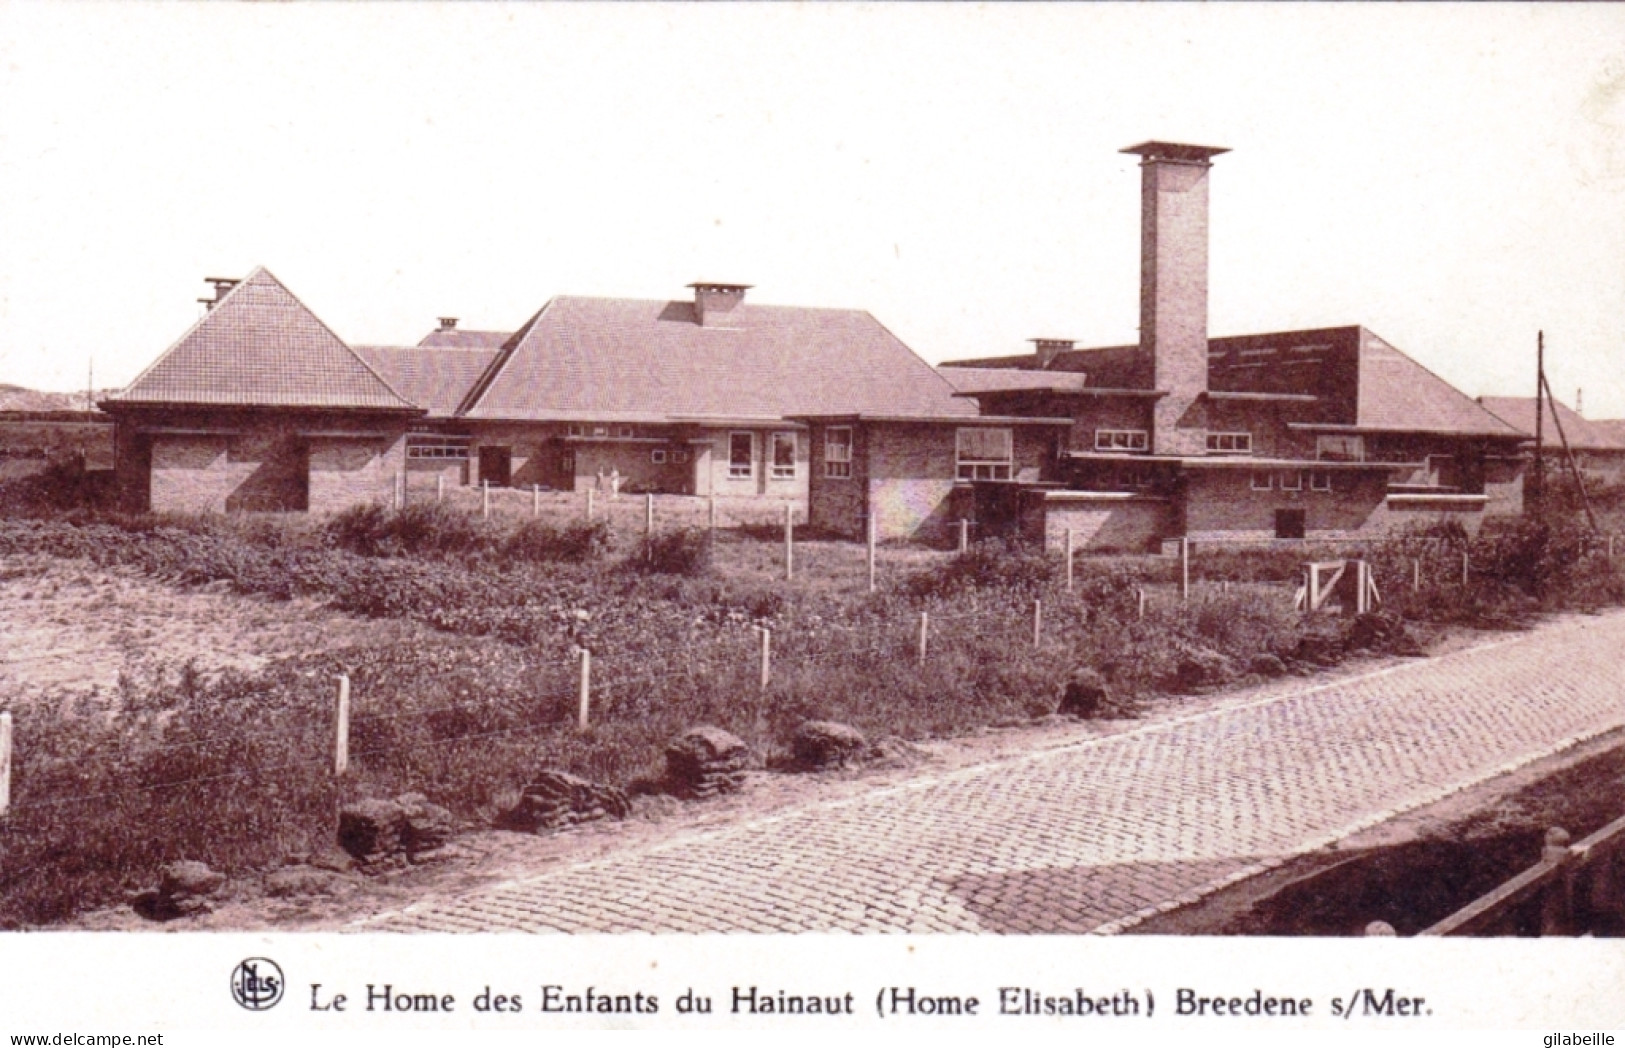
(68, 624)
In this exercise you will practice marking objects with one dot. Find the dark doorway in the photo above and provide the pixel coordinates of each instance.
(1289, 523)
(496, 466)
(998, 508)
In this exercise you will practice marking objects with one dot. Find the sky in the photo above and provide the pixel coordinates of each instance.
(1452, 177)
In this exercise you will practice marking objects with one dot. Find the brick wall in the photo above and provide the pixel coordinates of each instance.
(1102, 523)
(838, 504)
(1221, 504)
(912, 475)
(349, 471)
(1173, 299)
(256, 461)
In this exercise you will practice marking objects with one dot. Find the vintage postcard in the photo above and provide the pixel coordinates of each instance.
(1062, 519)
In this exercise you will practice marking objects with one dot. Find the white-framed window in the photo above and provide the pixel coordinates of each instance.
(783, 462)
(576, 430)
(741, 455)
(658, 456)
(1121, 440)
(983, 454)
(600, 431)
(567, 462)
(1320, 480)
(1263, 481)
(436, 448)
(625, 432)
(1340, 447)
(1230, 443)
(838, 452)
(1291, 480)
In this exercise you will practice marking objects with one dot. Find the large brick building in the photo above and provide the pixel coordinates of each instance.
(1328, 433)
(261, 407)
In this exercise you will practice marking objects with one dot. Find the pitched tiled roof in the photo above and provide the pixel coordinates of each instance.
(1000, 380)
(582, 357)
(1397, 393)
(459, 338)
(1519, 413)
(435, 379)
(1359, 379)
(260, 346)
(1614, 428)
(1107, 367)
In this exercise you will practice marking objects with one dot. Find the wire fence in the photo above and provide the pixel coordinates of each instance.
(750, 660)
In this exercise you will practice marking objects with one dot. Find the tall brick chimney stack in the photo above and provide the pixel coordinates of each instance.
(1173, 288)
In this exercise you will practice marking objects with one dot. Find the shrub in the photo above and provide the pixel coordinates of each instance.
(990, 564)
(64, 484)
(372, 530)
(576, 541)
(687, 551)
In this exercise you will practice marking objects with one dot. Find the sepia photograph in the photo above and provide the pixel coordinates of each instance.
(989, 477)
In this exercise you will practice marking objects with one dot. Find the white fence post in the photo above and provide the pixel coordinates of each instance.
(1184, 568)
(5, 763)
(589, 505)
(649, 517)
(872, 529)
(439, 488)
(789, 541)
(964, 535)
(1464, 567)
(1416, 574)
(341, 728)
(767, 655)
(1140, 595)
(925, 633)
(485, 499)
(1038, 622)
(535, 500)
(586, 688)
(1069, 534)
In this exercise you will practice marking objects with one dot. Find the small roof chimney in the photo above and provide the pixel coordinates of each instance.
(1048, 349)
(715, 303)
(448, 323)
(222, 285)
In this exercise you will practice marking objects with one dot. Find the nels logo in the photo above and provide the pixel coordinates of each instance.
(257, 984)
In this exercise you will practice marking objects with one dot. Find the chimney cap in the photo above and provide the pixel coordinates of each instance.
(1175, 151)
(448, 323)
(713, 285)
(1054, 341)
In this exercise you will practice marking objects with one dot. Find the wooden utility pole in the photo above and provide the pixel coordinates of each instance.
(1539, 479)
(1568, 454)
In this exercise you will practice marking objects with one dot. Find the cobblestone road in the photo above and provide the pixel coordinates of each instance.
(1097, 835)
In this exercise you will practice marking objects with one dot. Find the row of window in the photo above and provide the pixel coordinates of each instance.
(1329, 447)
(595, 429)
(1239, 443)
(781, 456)
(436, 450)
(1292, 480)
